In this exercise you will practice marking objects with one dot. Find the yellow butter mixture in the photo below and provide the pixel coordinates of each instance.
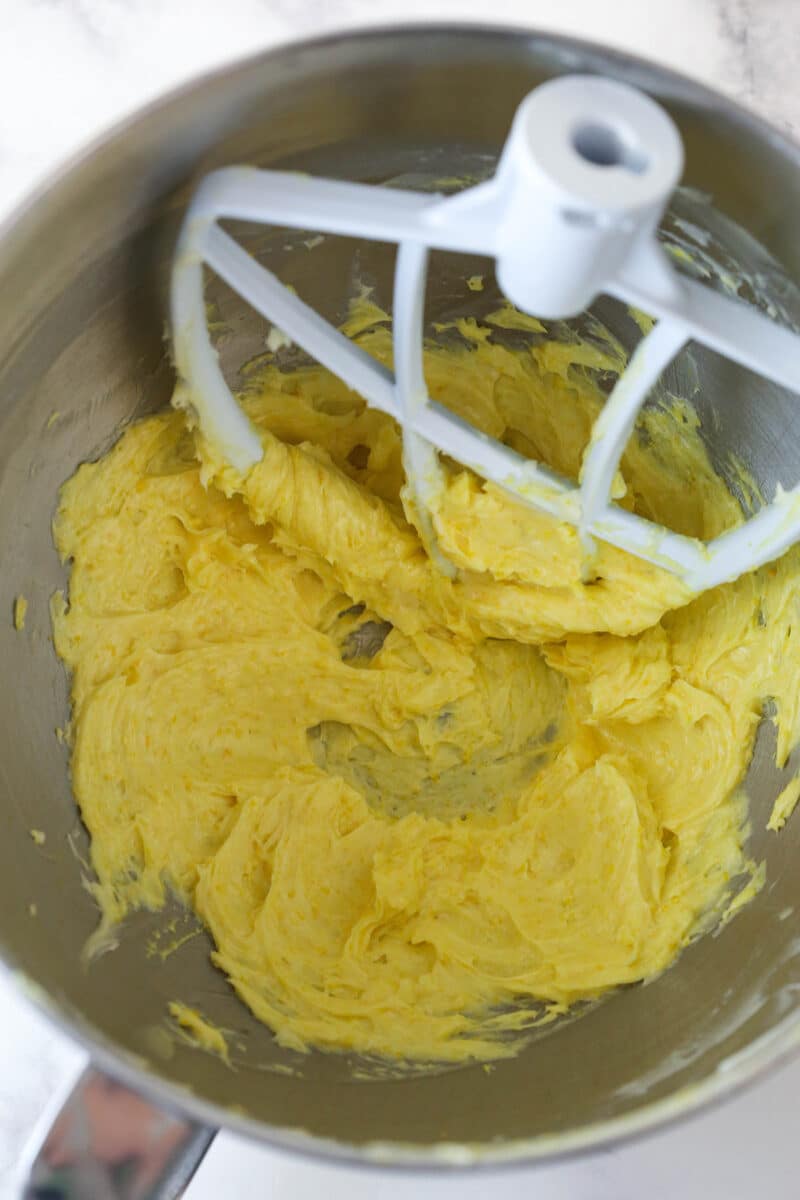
(418, 814)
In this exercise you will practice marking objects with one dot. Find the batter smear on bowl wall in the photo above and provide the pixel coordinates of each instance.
(419, 815)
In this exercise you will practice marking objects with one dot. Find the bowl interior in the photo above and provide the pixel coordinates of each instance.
(83, 277)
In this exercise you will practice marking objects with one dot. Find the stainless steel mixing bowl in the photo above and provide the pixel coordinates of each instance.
(83, 268)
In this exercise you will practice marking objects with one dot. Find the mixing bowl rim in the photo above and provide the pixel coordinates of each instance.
(777, 1045)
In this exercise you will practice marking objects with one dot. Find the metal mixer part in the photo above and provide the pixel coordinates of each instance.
(99, 1140)
(571, 212)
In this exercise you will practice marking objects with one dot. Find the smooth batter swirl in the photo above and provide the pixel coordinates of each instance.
(416, 814)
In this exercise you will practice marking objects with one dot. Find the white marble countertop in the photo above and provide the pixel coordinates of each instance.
(69, 68)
